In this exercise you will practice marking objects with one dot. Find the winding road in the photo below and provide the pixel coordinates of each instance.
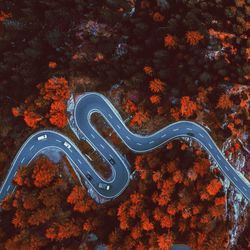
(90, 103)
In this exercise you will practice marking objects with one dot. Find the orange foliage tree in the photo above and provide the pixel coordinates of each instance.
(156, 86)
(193, 37)
(188, 107)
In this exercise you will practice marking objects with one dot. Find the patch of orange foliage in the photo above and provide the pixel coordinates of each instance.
(15, 111)
(188, 107)
(44, 172)
(130, 107)
(4, 16)
(224, 102)
(52, 65)
(139, 118)
(148, 70)
(31, 118)
(214, 187)
(156, 86)
(155, 99)
(170, 41)
(158, 17)
(193, 37)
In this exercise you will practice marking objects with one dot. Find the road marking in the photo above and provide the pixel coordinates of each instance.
(210, 145)
(189, 129)
(15, 173)
(235, 178)
(175, 129)
(218, 157)
(32, 147)
(101, 145)
(8, 188)
(163, 135)
(110, 155)
(151, 142)
(92, 136)
(110, 116)
(128, 138)
(244, 188)
(79, 161)
(118, 127)
(139, 144)
(22, 159)
(226, 168)
(70, 150)
(201, 135)
(58, 140)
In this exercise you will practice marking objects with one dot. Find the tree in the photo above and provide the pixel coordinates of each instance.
(82, 203)
(224, 102)
(155, 99)
(170, 41)
(63, 230)
(188, 107)
(193, 37)
(214, 187)
(31, 118)
(44, 172)
(139, 118)
(156, 85)
(165, 241)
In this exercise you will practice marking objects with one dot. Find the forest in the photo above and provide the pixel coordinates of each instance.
(157, 61)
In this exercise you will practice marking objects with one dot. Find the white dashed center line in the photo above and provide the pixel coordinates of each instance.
(151, 142)
(92, 136)
(244, 188)
(218, 157)
(163, 135)
(8, 188)
(58, 140)
(128, 137)
(101, 145)
(201, 135)
(138, 143)
(175, 129)
(210, 145)
(235, 178)
(118, 127)
(110, 116)
(32, 147)
(226, 168)
(189, 129)
(79, 161)
(23, 160)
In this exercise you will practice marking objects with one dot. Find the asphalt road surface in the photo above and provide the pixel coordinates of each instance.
(90, 103)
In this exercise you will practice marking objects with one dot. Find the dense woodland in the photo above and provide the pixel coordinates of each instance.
(158, 62)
